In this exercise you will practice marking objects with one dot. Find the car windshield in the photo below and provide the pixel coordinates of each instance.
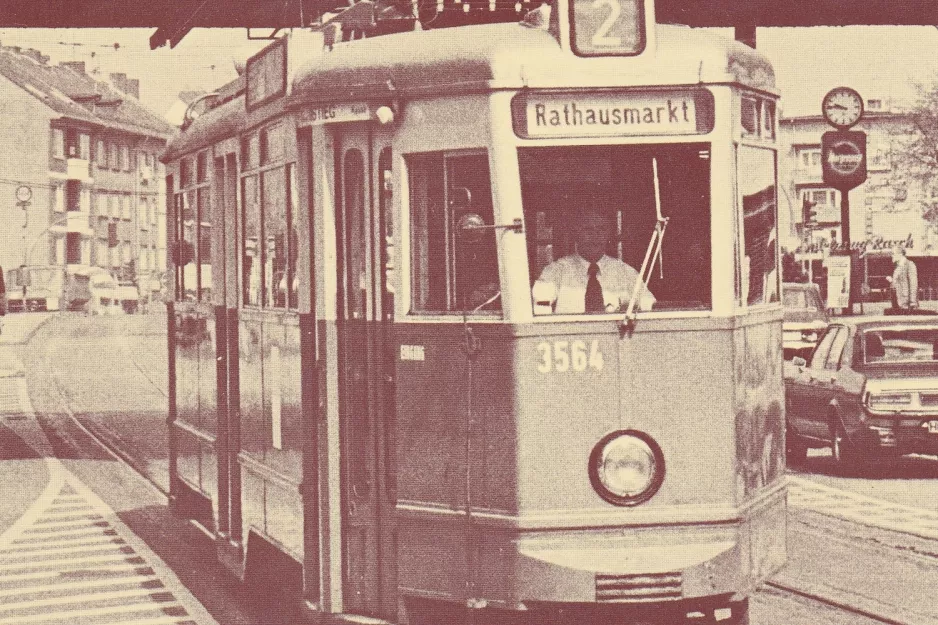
(795, 299)
(901, 345)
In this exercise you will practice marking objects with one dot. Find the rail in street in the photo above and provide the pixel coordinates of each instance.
(70, 559)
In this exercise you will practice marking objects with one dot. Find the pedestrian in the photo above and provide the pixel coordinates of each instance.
(904, 283)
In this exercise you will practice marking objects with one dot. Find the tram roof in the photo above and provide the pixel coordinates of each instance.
(513, 56)
(480, 58)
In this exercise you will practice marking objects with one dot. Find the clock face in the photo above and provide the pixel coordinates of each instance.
(23, 193)
(842, 107)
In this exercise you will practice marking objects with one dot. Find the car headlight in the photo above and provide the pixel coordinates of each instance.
(626, 467)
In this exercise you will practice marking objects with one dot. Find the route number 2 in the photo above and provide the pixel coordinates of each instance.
(604, 27)
(562, 356)
(601, 38)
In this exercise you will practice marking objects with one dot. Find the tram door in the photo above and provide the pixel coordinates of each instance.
(362, 191)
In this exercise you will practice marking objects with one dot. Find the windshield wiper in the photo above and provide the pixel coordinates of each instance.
(652, 255)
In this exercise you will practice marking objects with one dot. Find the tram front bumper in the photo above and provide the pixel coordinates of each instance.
(659, 564)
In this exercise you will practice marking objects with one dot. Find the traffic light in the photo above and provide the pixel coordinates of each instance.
(809, 212)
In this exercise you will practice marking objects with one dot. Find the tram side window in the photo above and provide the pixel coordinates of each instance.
(451, 273)
(757, 179)
(204, 246)
(274, 188)
(250, 248)
(596, 204)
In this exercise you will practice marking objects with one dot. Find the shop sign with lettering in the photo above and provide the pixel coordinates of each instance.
(540, 115)
(875, 244)
(843, 158)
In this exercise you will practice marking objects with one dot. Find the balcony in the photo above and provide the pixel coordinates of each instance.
(78, 169)
(808, 175)
(78, 222)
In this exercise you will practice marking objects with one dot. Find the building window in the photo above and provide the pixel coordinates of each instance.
(874, 105)
(125, 158)
(59, 198)
(73, 248)
(101, 154)
(58, 143)
(114, 159)
(84, 147)
(809, 158)
(821, 198)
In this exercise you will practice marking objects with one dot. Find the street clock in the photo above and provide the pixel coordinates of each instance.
(842, 107)
(23, 193)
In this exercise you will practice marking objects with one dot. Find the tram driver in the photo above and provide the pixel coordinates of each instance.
(588, 280)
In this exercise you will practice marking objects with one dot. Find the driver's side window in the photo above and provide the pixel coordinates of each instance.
(823, 348)
(450, 273)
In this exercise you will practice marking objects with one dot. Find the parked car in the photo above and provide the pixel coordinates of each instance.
(869, 391)
(805, 319)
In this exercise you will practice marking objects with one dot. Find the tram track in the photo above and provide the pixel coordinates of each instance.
(780, 588)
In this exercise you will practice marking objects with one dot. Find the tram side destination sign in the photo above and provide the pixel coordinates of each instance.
(542, 115)
(843, 158)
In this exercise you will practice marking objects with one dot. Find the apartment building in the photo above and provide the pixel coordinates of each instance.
(87, 150)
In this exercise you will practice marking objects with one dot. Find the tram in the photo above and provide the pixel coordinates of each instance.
(376, 411)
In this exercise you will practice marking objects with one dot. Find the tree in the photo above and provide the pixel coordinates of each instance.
(916, 159)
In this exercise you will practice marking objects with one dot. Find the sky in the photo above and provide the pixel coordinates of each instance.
(881, 62)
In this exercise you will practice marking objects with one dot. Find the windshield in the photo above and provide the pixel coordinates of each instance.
(795, 299)
(901, 345)
(591, 211)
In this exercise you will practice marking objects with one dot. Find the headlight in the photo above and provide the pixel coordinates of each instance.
(626, 467)
(809, 336)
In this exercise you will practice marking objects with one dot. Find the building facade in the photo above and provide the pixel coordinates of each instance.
(884, 211)
(87, 151)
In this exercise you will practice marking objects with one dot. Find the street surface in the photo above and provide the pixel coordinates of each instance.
(85, 539)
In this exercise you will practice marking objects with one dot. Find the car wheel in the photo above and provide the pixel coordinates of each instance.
(796, 449)
(845, 454)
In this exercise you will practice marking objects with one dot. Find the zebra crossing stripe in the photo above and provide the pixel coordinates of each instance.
(70, 558)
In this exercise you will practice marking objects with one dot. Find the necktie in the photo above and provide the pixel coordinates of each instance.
(594, 292)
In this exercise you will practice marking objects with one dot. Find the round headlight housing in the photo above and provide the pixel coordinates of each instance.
(626, 467)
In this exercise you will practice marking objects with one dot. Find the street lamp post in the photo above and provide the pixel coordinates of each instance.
(23, 195)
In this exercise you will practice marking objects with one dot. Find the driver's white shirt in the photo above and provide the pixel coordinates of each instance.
(561, 289)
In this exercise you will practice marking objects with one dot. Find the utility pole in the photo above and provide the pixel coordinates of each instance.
(23, 195)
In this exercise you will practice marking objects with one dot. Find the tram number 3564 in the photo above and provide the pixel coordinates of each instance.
(563, 356)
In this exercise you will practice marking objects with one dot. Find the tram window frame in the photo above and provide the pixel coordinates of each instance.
(434, 189)
(193, 227)
(258, 164)
(559, 183)
(746, 295)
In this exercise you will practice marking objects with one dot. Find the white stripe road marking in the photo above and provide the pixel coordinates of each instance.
(91, 568)
(74, 542)
(20, 555)
(54, 513)
(40, 526)
(862, 509)
(68, 616)
(78, 598)
(70, 558)
(49, 538)
(161, 620)
(91, 583)
(42, 564)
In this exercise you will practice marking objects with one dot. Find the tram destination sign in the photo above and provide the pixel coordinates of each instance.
(336, 113)
(543, 115)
